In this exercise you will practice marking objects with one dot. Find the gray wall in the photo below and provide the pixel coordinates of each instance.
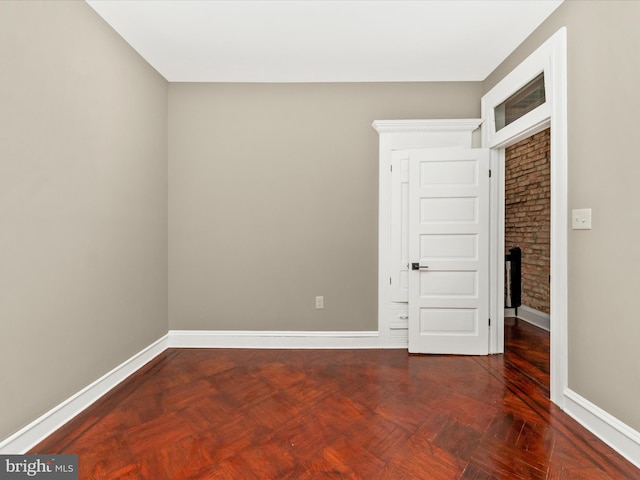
(83, 161)
(273, 199)
(604, 263)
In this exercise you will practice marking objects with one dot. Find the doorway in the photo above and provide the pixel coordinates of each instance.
(528, 254)
(549, 58)
(527, 229)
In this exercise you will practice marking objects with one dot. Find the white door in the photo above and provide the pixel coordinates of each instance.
(449, 251)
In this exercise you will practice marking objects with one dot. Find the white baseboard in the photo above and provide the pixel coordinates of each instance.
(530, 315)
(272, 339)
(618, 435)
(30, 435)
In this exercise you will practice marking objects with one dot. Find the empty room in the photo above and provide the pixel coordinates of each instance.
(319, 239)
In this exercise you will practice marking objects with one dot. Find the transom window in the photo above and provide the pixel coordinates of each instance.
(530, 96)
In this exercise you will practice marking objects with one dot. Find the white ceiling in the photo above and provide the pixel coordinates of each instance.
(325, 40)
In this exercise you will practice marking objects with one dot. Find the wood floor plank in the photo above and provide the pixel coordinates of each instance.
(347, 414)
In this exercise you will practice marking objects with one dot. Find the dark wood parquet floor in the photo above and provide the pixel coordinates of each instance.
(337, 414)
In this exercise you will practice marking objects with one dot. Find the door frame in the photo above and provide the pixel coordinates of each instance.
(550, 58)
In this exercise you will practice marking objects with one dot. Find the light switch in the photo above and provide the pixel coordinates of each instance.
(581, 219)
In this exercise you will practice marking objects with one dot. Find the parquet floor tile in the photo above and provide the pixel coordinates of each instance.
(196, 414)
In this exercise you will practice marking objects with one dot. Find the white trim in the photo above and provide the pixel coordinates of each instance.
(272, 339)
(439, 125)
(496, 250)
(551, 58)
(618, 435)
(559, 219)
(25, 438)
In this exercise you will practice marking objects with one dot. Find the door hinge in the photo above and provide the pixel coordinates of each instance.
(389, 280)
(489, 173)
(489, 322)
(391, 168)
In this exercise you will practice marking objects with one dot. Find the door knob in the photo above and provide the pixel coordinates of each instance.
(417, 266)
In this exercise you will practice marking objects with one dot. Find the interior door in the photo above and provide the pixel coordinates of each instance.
(449, 251)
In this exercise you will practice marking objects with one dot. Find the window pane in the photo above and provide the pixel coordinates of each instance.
(523, 101)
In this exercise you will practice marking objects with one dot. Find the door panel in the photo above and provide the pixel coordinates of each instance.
(448, 210)
(449, 321)
(399, 287)
(442, 284)
(449, 173)
(449, 247)
(448, 236)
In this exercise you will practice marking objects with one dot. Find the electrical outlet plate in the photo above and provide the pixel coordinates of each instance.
(319, 303)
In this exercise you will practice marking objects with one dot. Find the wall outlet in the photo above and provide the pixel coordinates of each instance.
(319, 303)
